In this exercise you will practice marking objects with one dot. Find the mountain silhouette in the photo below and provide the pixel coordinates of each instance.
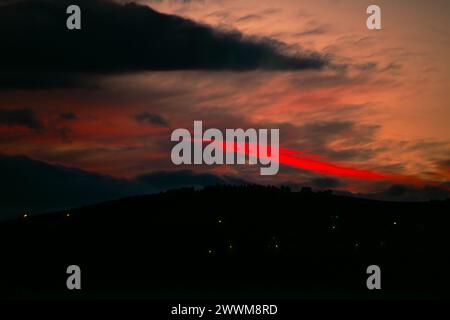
(225, 241)
(29, 185)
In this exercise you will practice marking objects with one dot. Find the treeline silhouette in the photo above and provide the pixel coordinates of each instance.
(230, 241)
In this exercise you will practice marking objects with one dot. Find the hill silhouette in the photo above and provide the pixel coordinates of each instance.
(36, 186)
(223, 241)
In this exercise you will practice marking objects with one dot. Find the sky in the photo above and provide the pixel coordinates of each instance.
(106, 98)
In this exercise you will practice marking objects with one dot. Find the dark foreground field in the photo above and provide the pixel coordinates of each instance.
(230, 242)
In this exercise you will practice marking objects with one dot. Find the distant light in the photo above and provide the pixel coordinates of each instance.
(25, 215)
(209, 251)
(230, 246)
(220, 221)
(276, 246)
(68, 215)
(395, 222)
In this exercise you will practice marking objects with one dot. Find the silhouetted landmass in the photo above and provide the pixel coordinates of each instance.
(234, 242)
(35, 186)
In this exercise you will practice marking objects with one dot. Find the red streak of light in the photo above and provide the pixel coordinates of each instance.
(307, 163)
(298, 159)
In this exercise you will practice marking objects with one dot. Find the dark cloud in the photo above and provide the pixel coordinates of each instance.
(249, 17)
(64, 133)
(325, 183)
(366, 66)
(318, 136)
(20, 117)
(393, 66)
(411, 193)
(151, 118)
(43, 80)
(68, 115)
(444, 164)
(326, 130)
(35, 186)
(428, 145)
(183, 178)
(312, 31)
(335, 79)
(119, 38)
(355, 154)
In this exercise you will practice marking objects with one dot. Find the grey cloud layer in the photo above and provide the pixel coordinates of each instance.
(20, 117)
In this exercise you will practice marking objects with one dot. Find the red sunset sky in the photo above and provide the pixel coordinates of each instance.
(387, 112)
